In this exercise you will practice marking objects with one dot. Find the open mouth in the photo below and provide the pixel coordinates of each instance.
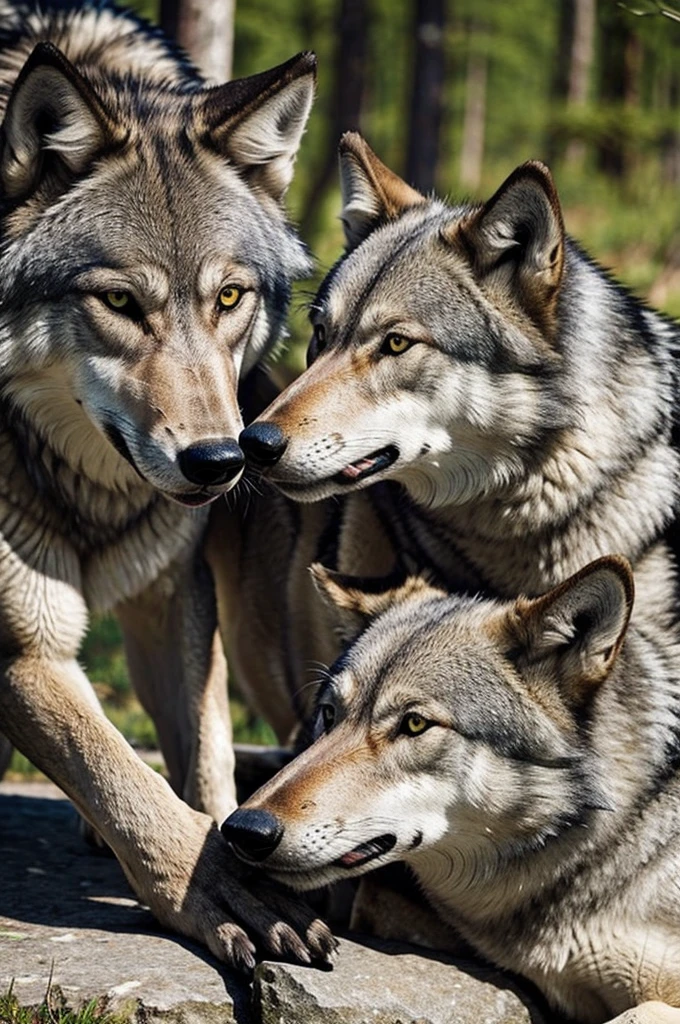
(367, 851)
(368, 465)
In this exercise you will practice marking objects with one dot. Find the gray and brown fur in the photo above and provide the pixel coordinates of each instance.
(523, 758)
(123, 174)
(532, 415)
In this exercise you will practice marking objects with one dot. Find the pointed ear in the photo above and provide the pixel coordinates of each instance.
(355, 601)
(580, 625)
(258, 122)
(371, 193)
(519, 235)
(54, 122)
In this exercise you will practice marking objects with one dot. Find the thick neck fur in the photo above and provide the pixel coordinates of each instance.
(66, 490)
(86, 486)
(519, 891)
(605, 481)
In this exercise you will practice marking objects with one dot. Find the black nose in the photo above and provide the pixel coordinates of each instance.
(263, 443)
(253, 834)
(211, 463)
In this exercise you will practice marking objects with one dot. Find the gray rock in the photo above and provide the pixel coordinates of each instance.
(389, 983)
(67, 914)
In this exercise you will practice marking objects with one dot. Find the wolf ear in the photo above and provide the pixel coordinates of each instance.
(258, 122)
(580, 625)
(53, 121)
(355, 601)
(519, 235)
(371, 193)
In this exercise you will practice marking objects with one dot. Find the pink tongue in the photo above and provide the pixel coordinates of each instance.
(357, 468)
(353, 857)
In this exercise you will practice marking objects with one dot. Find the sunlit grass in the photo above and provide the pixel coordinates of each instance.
(52, 1011)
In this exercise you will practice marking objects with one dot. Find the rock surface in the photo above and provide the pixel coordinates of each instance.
(67, 913)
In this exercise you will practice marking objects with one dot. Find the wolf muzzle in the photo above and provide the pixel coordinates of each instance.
(263, 443)
(254, 835)
(212, 463)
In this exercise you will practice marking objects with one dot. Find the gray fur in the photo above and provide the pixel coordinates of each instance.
(530, 408)
(128, 184)
(540, 805)
(534, 415)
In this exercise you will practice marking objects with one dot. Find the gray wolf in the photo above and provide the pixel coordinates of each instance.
(523, 758)
(482, 399)
(145, 268)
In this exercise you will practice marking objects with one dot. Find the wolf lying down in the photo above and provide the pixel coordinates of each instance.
(522, 758)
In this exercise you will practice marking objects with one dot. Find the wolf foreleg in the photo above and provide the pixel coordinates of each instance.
(173, 856)
(179, 672)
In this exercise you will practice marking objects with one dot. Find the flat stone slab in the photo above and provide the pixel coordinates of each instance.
(67, 914)
(389, 983)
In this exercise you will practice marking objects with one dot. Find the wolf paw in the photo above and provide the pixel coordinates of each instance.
(203, 892)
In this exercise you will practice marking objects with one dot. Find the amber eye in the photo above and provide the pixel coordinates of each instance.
(395, 344)
(124, 303)
(118, 300)
(229, 296)
(413, 724)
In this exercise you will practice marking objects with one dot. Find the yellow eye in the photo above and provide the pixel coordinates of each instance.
(414, 724)
(395, 344)
(117, 300)
(230, 296)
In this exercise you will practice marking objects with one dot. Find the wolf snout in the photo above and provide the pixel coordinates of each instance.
(263, 443)
(254, 835)
(212, 463)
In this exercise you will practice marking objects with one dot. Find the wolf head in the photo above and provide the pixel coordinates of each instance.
(146, 262)
(435, 349)
(453, 732)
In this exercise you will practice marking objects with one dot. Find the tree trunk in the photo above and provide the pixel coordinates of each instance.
(349, 80)
(580, 67)
(205, 30)
(427, 94)
(621, 62)
(670, 140)
(474, 121)
(573, 69)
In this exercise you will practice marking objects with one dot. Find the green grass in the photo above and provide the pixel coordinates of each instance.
(53, 1011)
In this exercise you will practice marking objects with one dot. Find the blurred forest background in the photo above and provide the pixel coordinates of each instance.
(453, 94)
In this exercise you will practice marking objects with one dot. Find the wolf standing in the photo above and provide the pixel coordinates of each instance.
(146, 264)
